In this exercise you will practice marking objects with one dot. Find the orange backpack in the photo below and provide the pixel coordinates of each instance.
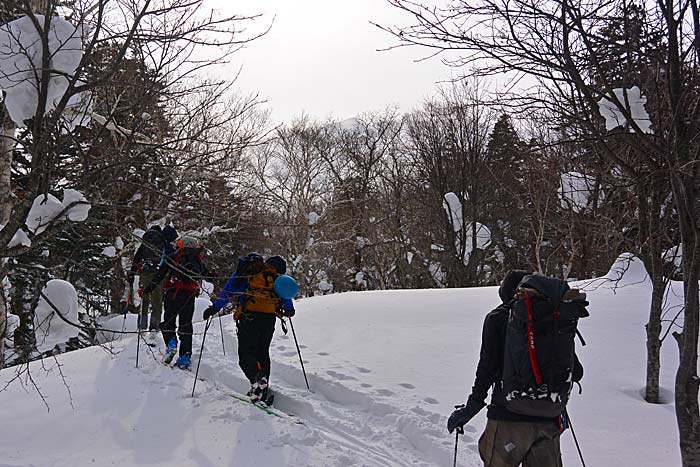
(260, 296)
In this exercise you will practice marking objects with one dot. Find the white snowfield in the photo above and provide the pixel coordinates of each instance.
(385, 369)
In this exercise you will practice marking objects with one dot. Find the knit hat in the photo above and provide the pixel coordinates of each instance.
(510, 284)
(278, 263)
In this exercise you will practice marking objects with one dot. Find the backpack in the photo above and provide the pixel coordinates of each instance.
(153, 250)
(188, 267)
(539, 360)
(259, 295)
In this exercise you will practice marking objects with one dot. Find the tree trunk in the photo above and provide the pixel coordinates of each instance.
(6, 147)
(649, 238)
(686, 397)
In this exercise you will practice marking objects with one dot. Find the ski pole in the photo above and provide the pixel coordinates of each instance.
(138, 346)
(578, 448)
(201, 351)
(456, 442)
(299, 352)
(123, 327)
(221, 328)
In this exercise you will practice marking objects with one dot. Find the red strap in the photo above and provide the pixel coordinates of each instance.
(531, 342)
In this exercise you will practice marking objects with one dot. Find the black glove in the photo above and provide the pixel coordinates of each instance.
(209, 312)
(463, 414)
(288, 313)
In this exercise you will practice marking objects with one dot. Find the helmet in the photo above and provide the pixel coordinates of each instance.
(188, 242)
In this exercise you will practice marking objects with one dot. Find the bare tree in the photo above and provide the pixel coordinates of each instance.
(164, 38)
(559, 44)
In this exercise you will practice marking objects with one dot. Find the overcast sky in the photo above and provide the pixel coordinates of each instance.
(320, 57)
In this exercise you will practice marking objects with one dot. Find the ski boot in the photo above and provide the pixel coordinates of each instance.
(170, 352)
(258, 391)
(183, 361)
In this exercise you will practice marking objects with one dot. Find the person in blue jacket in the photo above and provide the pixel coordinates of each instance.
(257, 306)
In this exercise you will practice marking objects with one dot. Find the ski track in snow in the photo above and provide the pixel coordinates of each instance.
(371, 430)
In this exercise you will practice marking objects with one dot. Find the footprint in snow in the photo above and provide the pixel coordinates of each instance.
(366, 385)
(339, 376)
(323, 354)
(289, 354)
(430, 400)
(385, 392)
(302, 346)
(407, 386)
(363, 370)
(281, 347)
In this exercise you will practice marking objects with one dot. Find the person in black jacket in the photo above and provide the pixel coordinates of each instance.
(509, 438)
(155, 245)
(183, 270)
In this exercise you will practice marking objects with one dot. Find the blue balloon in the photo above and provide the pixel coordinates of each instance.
(286, 286)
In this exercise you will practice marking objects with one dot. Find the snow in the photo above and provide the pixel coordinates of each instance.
(631, 100)
(674, 255)
(47, 208)
(109, 251)
(351, 125)
(383, 384)
(626, 270)
(19, 238)
(12, 323)
(313, 218)
(21, 57)
(324, 286)
(576, 190)
(50, 328)
(483, 240)
(43, 211)
(119, 243)
(453, 207)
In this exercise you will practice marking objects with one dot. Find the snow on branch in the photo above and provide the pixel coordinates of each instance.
(21, 59)
(632, 103)
(47, 208)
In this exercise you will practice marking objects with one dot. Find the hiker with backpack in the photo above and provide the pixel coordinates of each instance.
(181, 273)
(257, 306)
(155, 245)
(528, 358)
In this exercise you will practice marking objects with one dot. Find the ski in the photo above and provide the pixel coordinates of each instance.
(267, 408)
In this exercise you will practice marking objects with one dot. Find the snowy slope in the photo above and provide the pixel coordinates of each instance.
(385, 369)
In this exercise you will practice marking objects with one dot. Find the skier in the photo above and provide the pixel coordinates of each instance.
(251, 287)
(509, 438)
(183, 271)
(155, 245)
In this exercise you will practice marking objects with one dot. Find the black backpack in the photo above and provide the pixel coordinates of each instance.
(188, 266)
(153, 249)
(539, 362)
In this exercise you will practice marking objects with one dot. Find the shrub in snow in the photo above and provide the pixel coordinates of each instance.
(21, 54)
(50, 328)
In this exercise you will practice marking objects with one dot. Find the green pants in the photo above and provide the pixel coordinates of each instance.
(508, 444)
(154, 299)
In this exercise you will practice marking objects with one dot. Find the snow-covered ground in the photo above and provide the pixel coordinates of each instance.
(385, 369)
